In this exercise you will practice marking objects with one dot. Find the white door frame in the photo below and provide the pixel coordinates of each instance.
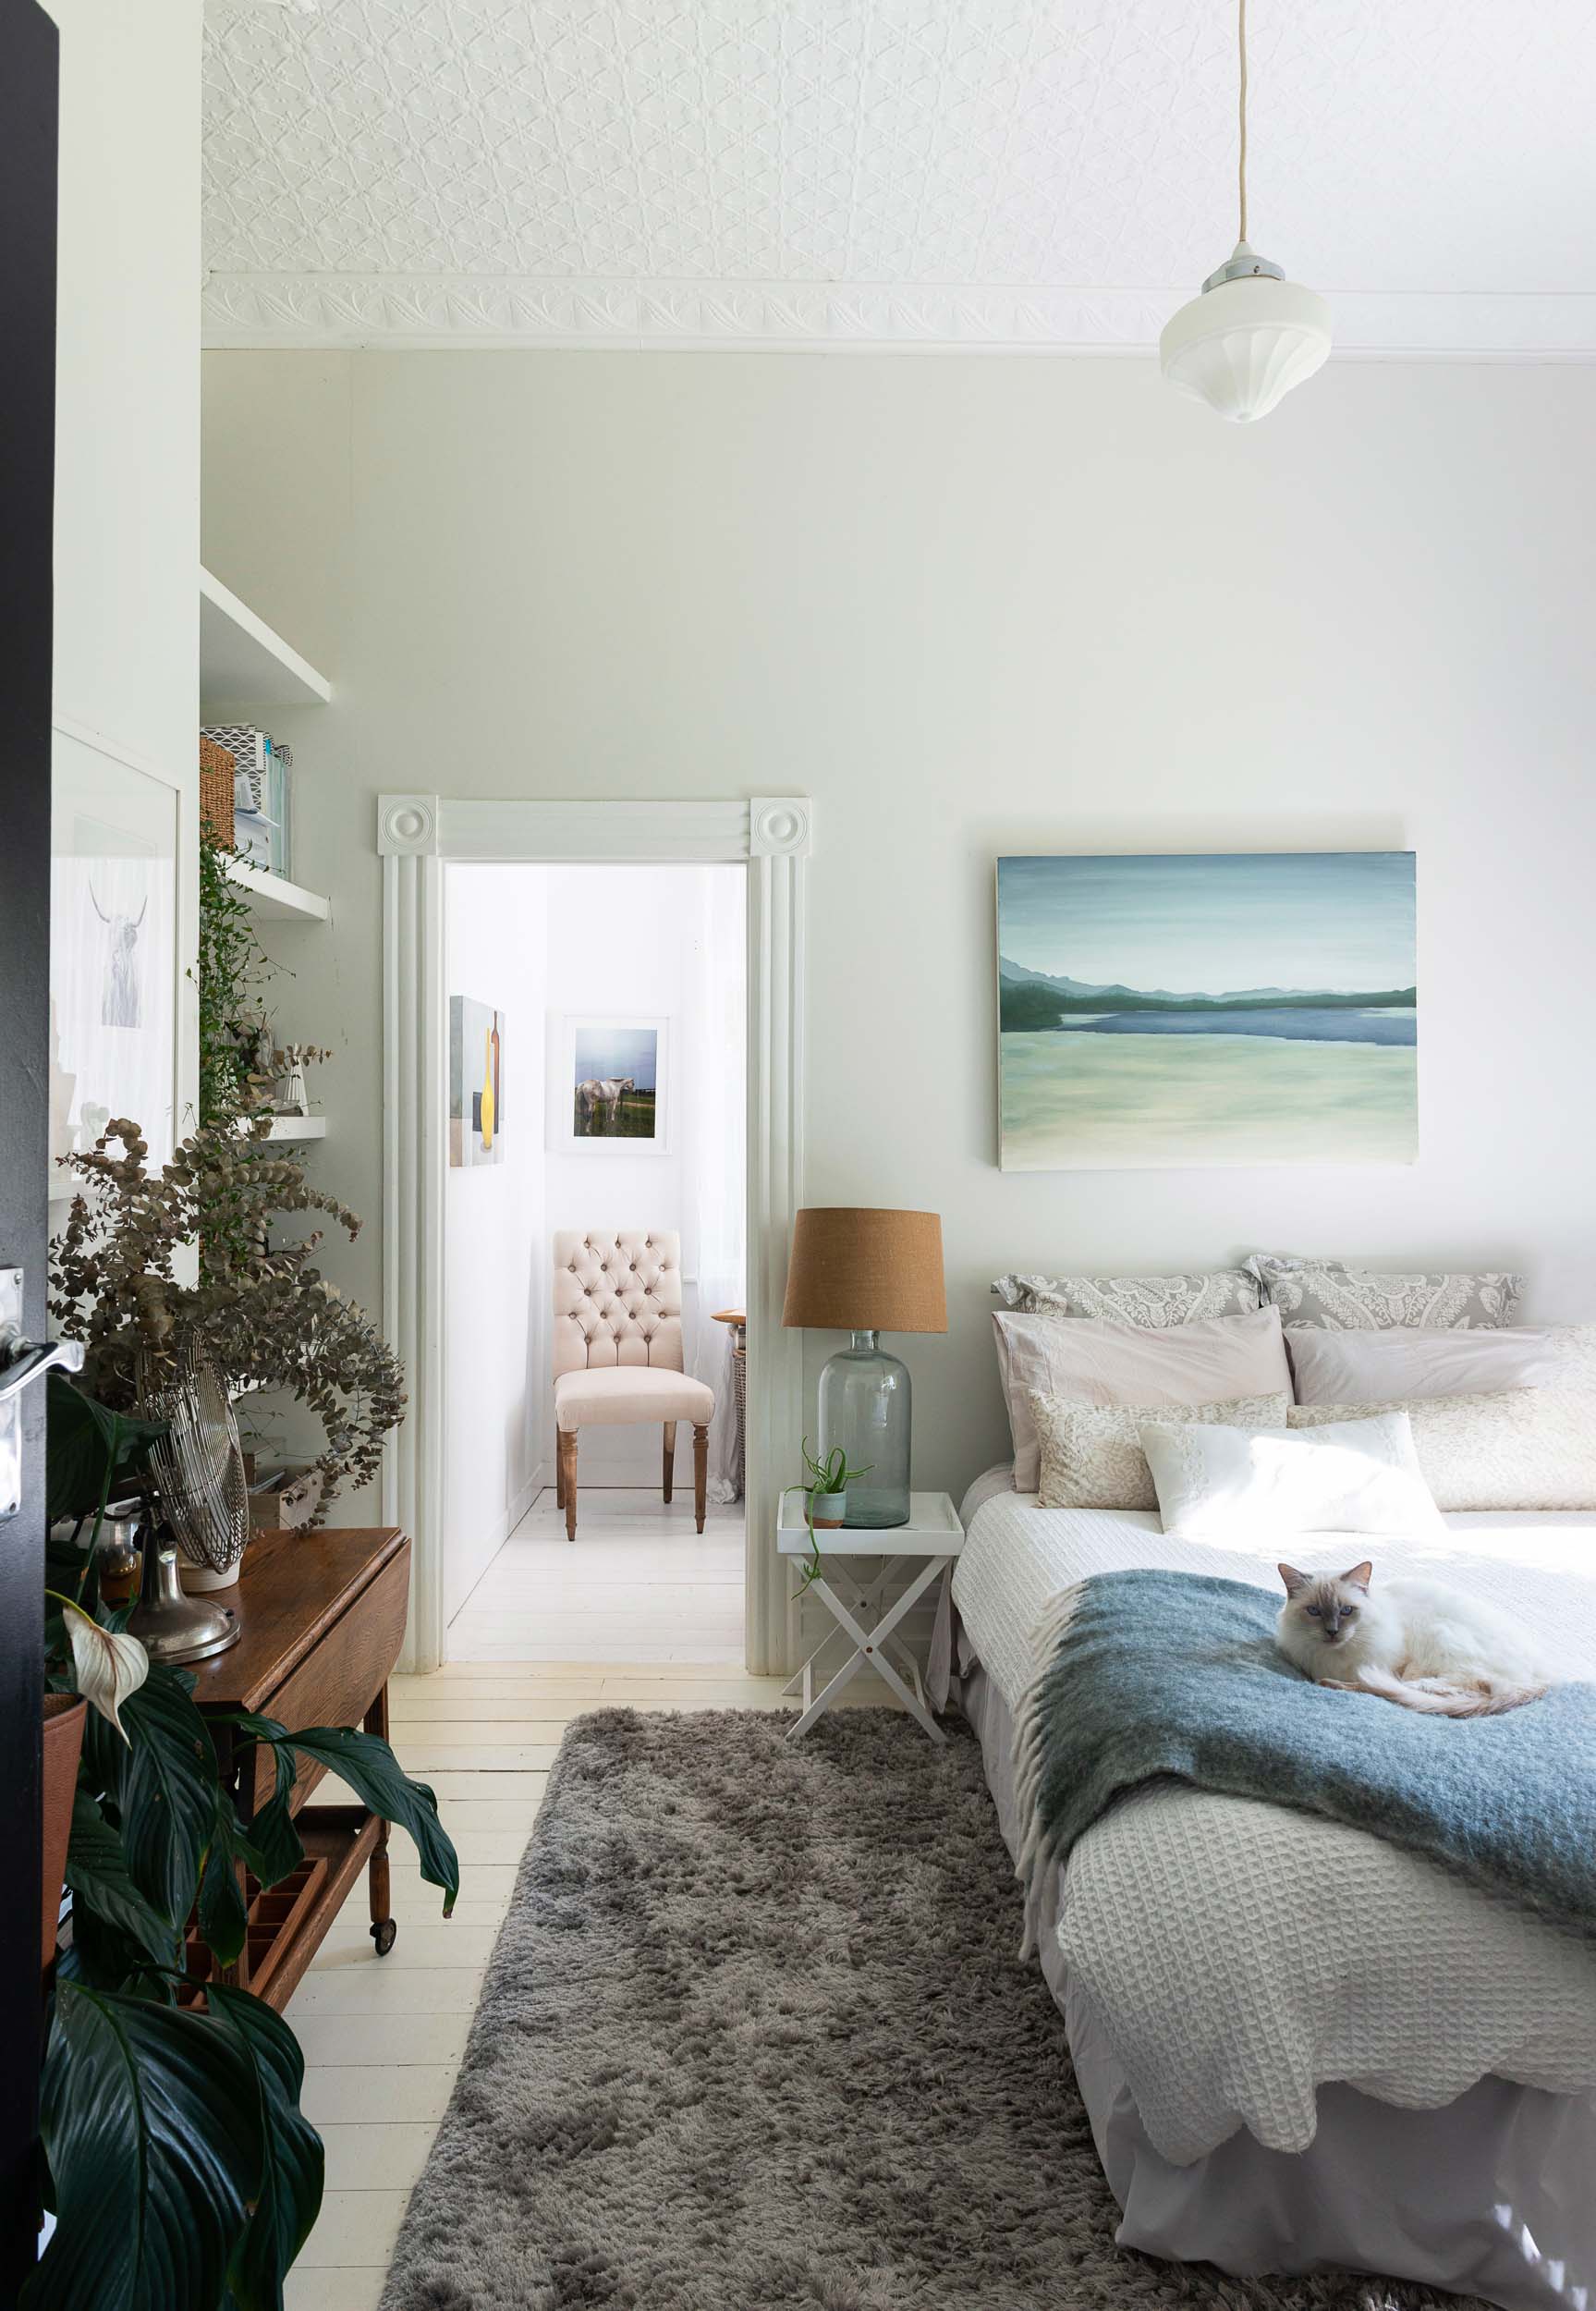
(416, 834)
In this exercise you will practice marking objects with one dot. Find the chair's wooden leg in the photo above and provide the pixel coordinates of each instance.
(670, 1428)
(567, 1467)
(701, 1469)
(559, 1472)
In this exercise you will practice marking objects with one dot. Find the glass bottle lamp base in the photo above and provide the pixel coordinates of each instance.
(865, 1409)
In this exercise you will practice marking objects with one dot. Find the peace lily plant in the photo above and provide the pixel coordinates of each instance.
(182, 2173)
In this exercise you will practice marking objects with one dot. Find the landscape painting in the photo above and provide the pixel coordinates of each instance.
(1191, 1010)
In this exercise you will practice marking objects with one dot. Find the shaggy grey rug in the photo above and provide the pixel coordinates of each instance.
(755, 2038)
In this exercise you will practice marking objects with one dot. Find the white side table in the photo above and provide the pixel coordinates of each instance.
(931, 1540)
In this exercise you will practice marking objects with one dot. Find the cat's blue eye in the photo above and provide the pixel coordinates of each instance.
(1350, 1612)
(1313, 1609)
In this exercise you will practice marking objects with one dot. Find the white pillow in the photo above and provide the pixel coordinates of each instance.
(1098, 1361)
(1091, 1455)
(1419, 1361)
(1525, 1449)
(1265, 1484)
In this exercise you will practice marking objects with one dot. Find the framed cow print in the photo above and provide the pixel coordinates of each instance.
(611, 1086)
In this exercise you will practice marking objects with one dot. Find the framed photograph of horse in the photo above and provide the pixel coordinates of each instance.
(612, 1088)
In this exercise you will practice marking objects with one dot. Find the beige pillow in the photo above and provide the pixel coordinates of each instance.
(1419, 1361)
(1522, 1448)
(1091, 1455)
(1099, 1362)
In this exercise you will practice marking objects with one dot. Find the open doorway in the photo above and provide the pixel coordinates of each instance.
(597, 1095)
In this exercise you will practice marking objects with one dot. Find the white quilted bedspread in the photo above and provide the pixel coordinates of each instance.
(1238, 1954)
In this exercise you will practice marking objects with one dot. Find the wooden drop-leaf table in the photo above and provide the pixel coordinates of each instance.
(323, 1619)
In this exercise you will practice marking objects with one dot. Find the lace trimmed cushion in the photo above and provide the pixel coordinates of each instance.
(1520, 1448)
(1091, 1455)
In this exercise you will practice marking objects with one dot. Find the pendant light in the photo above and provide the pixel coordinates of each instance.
(1252, 335)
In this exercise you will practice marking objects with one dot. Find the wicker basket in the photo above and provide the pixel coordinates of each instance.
(740, 1405)
(217, 767)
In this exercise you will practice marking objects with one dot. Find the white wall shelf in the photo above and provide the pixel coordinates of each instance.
(243, 663)
(288, 1127)
(273, 898)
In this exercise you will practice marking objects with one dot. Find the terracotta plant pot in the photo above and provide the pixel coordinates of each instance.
(826, 1511)
(63, 1715)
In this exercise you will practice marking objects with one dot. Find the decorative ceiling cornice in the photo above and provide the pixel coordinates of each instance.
(427, 310)
(894, 173)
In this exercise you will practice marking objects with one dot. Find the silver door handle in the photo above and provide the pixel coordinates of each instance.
(22, 1361)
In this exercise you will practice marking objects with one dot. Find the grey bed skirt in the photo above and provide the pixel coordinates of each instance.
(1493, 2195)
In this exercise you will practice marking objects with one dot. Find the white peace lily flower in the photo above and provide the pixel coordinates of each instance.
(108, 1667)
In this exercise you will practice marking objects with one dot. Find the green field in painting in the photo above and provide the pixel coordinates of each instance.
(633, 1120)
(1090, 1102)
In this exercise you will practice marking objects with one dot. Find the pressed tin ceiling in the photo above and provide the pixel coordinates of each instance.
(1052, 175)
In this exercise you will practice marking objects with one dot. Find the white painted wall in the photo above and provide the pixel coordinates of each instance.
(976, 607)
(496, 1275)
(128, 416)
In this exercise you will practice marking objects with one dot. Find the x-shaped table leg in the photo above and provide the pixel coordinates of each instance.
(872, 1648)
(863, 1596)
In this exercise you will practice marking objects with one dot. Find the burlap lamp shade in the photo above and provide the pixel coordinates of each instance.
(854, 1269)
(866, 1272)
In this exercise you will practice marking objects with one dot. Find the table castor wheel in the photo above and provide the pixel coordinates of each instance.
(386, 1933)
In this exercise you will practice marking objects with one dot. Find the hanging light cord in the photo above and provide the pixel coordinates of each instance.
(1241, 106)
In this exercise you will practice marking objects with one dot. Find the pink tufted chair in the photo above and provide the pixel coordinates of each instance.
(618, 1349)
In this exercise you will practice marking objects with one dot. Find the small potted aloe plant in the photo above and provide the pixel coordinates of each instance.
(826, 1499)
(826, 1491)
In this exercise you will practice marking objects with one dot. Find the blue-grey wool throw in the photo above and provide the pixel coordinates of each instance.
(1177, 1673)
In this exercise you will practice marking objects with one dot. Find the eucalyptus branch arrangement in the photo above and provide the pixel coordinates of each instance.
(181, 2170)
(260, 1311)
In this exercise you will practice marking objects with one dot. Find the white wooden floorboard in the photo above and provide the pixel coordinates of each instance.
(356, 2227)
(637, 1584)
(385, 2158)
(338, 2041)
(341, 2290)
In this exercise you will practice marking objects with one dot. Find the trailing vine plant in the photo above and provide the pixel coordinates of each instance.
(234, 1036)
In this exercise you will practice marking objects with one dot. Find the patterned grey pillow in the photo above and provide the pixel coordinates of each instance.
(1340, 1298)
(1154, 1302)
(1091, 1455)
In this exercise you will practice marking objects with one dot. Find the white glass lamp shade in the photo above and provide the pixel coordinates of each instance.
(1242, 345)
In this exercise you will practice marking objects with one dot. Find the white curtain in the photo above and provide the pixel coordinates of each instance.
(719, 1160)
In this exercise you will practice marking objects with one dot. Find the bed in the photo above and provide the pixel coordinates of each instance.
(1300, 2045)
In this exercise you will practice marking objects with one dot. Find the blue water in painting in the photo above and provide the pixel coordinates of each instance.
(1305, 1026)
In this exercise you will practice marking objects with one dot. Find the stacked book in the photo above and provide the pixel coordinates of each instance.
(261, 819)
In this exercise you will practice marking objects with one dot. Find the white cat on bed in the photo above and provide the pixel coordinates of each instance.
(1421, 1643)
